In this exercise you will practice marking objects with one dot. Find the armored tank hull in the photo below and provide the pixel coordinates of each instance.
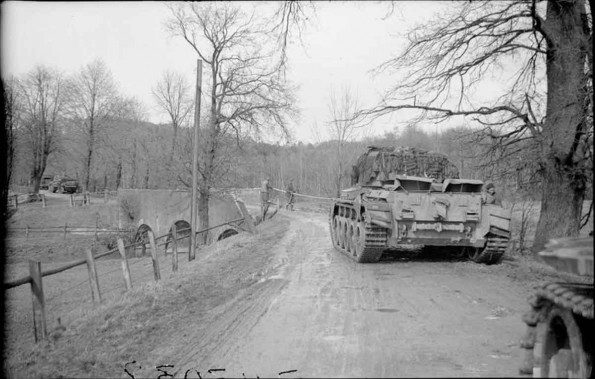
(450, 217)
(558, 341)
(402, 196)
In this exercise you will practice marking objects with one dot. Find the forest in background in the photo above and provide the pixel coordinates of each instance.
(134, 154)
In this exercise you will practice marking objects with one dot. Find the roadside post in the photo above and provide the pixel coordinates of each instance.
(93, 279)
(39, 323)
(125, 268)
(154, 256)
(193, 218)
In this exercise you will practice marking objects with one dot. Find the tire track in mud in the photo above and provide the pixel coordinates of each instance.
(230, 323)
(318, 312)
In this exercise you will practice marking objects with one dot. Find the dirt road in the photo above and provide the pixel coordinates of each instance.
(317, 312)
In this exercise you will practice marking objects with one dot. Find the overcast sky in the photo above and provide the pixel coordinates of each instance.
(341, 44)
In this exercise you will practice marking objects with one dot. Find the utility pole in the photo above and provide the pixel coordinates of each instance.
(193, 203)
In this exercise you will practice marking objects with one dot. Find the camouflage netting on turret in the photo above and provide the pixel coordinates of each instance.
(383, 163)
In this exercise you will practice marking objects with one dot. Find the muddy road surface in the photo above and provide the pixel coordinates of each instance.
(316, 313)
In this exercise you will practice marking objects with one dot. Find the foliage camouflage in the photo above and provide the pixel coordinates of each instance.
(382, 163)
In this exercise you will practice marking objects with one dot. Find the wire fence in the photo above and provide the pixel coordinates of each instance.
(97, 277)
(60, 295)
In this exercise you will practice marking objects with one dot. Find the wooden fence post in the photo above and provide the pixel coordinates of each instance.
(71, 200)
(247, 217)
(16, 201)
(27, 231)
(125, 268)
(43, 200)
(96, 222)
(93, 279)
(65, 228)
(39, 324)
(88, 198)
(174, 256)
(154, 255)
(190, 239)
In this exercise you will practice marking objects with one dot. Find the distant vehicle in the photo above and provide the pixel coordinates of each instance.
(45, 182)
(64, 185)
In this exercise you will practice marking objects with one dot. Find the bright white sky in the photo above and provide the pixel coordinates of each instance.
(343, 42)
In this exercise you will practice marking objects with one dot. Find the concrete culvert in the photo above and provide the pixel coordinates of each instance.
(182, 235)
(142, 236)
(226, 234)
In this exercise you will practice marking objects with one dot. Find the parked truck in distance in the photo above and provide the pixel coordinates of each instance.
(45, 182)
(406, 196)
(64, 185)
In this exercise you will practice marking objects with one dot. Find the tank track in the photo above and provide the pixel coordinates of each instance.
(495, 248)
(576, 297)
(375, 241)
(376, 238)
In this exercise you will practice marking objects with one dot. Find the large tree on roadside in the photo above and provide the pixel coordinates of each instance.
(541, 51)
(93, 100)
(244, 90)
(41, 94)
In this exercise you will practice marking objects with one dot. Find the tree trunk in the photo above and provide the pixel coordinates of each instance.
(563, 180)
(119, 175)
(90, 144)
(203, 214)
(133, 168)
(561, 207)
(171, 171)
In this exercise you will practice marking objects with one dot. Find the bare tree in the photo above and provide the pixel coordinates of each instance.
(245, 94)
(126, 144)
(172, 95)
(42, 92)
(12, 115)
(93, 100)
(342, 126)
(289, 19)
(549, 46)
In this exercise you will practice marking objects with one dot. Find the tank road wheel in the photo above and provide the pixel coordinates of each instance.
(473, 253)
(346, 235)
(349, 239)
(333, 230)
(338, 231)
(341, 233)
(561, 353)
(344, 241)
(359, 239)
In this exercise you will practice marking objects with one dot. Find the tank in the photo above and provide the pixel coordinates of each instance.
(558, 340)
(402, 196)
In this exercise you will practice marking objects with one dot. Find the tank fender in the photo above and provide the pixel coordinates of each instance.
(378, 214)
(499, 220)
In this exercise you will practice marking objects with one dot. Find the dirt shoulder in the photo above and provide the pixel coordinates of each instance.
(99, 340)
